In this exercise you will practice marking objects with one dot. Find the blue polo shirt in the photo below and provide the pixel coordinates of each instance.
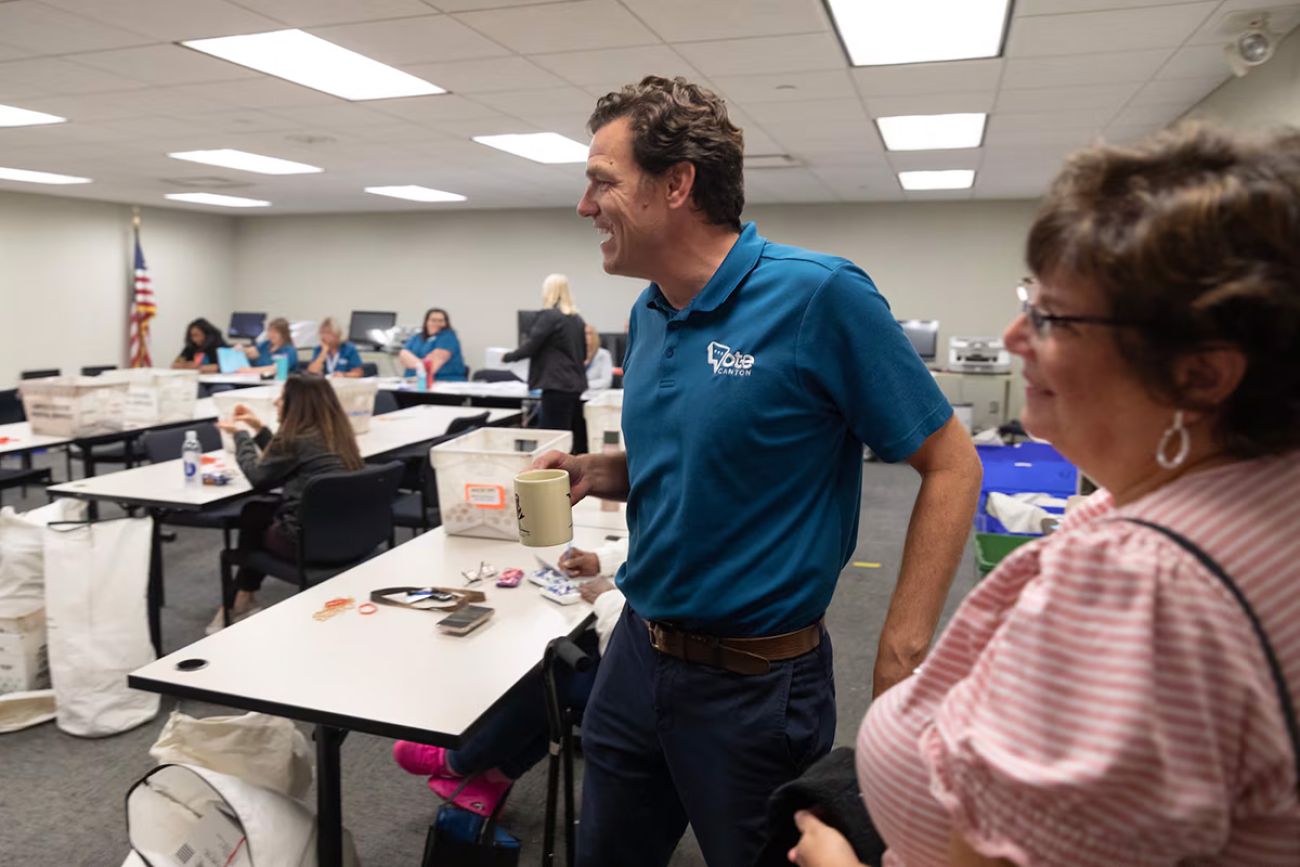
(420, 346)
(266, 356)
(744, 416)
(346, 359)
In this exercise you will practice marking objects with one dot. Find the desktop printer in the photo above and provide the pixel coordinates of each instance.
(978, 355)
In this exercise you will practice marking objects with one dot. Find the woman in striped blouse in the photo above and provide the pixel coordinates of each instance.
(1103, 698)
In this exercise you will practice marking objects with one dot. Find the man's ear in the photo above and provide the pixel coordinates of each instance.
(679, 181)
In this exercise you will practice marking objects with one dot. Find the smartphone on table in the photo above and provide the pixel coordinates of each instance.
(465, 620)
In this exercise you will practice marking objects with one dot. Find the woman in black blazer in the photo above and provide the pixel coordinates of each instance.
(556, 348)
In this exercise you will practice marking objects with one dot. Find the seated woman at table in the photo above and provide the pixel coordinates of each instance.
(435, 348)
(515, 736)
(335, 356)
(202, 340)
(314, 437)
(1110, 694)
(278, 344)
(600, 364)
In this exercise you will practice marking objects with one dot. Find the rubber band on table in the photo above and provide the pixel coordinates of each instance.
(340, 602)
(367, 608)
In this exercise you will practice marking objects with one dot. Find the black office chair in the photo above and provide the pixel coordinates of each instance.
(369, 368)
(465, 423)
(97, 369)
(385, 402)
(11, 411)
(44, 373)
(495, 376)
(165, 445)
(344, 518)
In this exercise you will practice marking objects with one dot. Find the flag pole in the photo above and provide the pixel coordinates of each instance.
(130, 316)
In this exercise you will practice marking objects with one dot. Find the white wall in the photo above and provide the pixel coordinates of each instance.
(65, 275)
(1269, 96)
(952, 261)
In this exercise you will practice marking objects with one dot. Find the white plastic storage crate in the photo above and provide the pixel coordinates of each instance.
(356, 395)
(476, 477)
(155, 396)
(604, 413)
(73, 406)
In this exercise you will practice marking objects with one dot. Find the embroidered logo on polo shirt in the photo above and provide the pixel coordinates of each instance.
(726, 361)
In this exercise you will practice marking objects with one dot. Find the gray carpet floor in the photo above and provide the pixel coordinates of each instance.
(62, 798)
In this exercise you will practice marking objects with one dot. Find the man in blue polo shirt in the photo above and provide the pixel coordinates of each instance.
(754, 374)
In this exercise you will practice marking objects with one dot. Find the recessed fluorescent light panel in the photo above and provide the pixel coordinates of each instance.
(416, 193)
(215, 199)
(948, 179)
(930, 132)
(30, 177)
(886, 32)
(11, 115)
(541, 147)
(246, 162)
(297, 56)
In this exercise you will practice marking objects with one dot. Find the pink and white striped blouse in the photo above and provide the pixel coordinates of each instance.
(1101, 699)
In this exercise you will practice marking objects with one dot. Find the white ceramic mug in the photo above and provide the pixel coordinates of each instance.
(543, 508)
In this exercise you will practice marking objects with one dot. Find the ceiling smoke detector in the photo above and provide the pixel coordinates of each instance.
(1251, 48)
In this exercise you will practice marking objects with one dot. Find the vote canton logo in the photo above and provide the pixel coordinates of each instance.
(728, 362)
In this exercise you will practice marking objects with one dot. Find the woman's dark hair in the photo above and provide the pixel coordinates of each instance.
(312, 409)
(424, 325)
(211, 334)
(1193, 234)
(675, 121)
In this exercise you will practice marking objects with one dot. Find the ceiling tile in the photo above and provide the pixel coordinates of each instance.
(316, 13)
(764, 54)
(241, 122)
(526, 103)
(169, 20)
(41, 29)
(925, 78)
(998, 137)
(1002, 124)
(1116, 30)
(163, 64)
(1232, 18)
(338, 116)
(50, 75)
(1056, 7)
(573, 26)
(930, 103)
(1128, 134)
(474, 5)
(785, 185)
(623, 65)
(427, 39)
(786, 87)
(693, 21)
(857, 184)
(1076, 69)
(261, 92)
(1188, 91)
(911, 161)
(433, 109)
(1162, 113)
(1195, 61)
(809, 113)
(1097, 96)
(486, 76)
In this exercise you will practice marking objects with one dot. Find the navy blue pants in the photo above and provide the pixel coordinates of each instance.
(668, 742)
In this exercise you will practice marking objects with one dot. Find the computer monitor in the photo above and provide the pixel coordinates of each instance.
(364, 324)
(524, 320)
(246, 325)
(924, 335)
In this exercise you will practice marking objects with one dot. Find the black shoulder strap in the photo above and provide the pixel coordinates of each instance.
(1274, 667)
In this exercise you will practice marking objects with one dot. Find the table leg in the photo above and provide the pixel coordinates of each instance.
(329, 798)
(155, 592)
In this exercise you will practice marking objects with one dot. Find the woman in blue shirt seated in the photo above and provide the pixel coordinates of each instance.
(436, 347)
(335, 356)
(278, 344)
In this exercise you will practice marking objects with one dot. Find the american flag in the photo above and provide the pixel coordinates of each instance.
(142, 310)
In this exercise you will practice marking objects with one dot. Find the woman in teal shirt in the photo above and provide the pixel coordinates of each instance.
(335, 356)
(437, 346)
(279, 344)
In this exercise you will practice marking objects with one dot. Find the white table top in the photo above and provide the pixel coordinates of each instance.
(517, 390)
(17, 438)
(230, 379)
(588, 513)
(390, 673)
(163, 484)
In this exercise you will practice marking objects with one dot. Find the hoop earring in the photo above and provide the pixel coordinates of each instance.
(1184, 444)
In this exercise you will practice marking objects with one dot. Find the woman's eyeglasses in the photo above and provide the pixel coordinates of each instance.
(1042, 322)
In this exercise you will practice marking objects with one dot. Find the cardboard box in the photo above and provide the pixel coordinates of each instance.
(24, 656)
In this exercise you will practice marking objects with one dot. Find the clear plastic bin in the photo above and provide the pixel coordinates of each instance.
(476, 477)
(73, 406)
(155, 396)
(356, 395)
(604, 413)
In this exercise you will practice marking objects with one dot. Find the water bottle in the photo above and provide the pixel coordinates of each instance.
(191, 452)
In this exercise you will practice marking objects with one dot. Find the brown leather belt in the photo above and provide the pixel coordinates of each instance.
(738, 655)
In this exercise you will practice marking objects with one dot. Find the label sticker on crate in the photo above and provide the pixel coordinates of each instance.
(482, 496)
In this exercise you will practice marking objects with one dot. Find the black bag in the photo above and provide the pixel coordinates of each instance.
(460, 838)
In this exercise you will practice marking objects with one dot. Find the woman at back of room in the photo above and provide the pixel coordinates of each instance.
(202, 340)
(435, 348)
(314, 437)
(556, 347)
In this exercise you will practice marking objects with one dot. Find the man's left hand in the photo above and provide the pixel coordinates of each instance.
(821, 845)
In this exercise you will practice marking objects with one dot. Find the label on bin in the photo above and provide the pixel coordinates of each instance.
(483, 496)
